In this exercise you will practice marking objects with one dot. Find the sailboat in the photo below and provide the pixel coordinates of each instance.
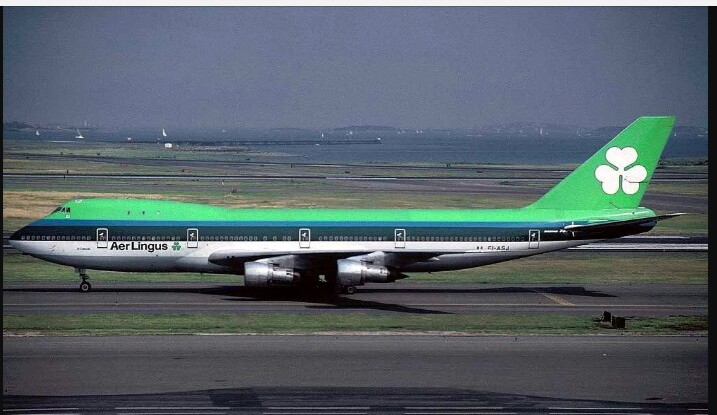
(37, 133)
(79, 134)
(164, 133)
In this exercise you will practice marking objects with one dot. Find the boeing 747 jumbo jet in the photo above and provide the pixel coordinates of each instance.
(349, 247)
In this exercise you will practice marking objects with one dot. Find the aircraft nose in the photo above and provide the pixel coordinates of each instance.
(15, 236)
(15, 239)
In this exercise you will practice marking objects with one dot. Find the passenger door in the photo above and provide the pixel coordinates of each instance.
(102, 237)
(192, 238)
(304, 238)
(533, 239)
(399, 235)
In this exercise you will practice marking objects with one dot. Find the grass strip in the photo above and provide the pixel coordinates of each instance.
(572, 267)
(275, 323)
(568, 267)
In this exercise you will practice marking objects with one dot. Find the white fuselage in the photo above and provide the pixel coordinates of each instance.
(166, 256)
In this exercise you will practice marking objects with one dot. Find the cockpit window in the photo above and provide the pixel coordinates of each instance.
(61, 209)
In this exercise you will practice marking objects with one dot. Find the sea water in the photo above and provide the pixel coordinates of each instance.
(392, 148)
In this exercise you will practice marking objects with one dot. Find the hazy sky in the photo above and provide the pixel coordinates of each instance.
(314, 67)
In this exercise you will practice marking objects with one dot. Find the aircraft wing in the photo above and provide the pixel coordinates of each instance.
(317, 260)
(233, 258)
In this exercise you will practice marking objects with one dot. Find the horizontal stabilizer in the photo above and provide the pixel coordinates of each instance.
(609, 226)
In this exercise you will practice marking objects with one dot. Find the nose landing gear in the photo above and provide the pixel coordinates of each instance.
(85, 285)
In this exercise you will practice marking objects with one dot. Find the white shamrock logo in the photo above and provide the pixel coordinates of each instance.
(610, 177)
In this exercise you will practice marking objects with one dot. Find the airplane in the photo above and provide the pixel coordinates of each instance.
(345, 248)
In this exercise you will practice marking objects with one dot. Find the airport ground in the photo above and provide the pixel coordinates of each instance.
(340, 374)
(524, 336)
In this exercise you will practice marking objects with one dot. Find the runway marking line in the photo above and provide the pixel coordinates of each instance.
(599, 413)
(52, 413)
(558, 408)
(171, 413)
(314, 413)
(553, 297)
(358, 307)
(318, 408)
(453, 408)
(460, 413)
(170, 408)
(551, 305)
(40, 409)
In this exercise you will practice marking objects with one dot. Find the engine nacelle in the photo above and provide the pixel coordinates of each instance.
(260, 274)
(352, 273)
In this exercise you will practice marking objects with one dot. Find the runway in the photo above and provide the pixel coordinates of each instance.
(272, 165)
(403, 297)
(417, 375)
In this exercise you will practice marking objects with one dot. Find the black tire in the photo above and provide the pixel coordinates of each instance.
(85, 286)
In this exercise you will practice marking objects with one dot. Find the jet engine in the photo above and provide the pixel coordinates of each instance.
(352, 273)
(260, 274)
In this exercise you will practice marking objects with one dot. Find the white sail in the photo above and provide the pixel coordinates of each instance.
(37, 132)
(164, 133)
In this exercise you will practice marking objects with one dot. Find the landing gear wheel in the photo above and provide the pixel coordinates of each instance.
(85, 285)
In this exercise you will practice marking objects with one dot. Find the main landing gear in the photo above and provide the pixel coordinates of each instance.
(332, 281)
(85, 285)
(344, 289)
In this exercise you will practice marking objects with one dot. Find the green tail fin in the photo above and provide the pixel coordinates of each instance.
(618, 174)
